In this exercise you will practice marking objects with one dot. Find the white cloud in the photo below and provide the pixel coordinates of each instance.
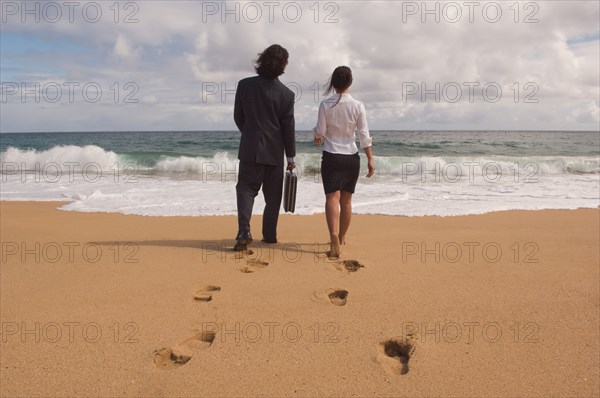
(124, 49)
(588, 113)
(170, 52)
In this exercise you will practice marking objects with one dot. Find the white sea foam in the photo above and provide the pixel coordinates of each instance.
(194, 186)
(164, 196)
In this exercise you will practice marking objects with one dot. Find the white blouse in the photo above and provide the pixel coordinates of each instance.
(339, 124)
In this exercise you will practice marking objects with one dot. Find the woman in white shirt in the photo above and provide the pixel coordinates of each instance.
(340, 118)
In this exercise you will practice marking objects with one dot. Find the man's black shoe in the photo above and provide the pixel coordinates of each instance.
(271, 241)
(242, 241)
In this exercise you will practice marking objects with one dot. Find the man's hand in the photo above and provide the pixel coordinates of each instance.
(291, 165)
(318, 141)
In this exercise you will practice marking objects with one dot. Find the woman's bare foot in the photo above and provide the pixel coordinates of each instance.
(334, 251)
(342, 240)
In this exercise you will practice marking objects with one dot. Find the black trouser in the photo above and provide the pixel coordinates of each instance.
(251, 177)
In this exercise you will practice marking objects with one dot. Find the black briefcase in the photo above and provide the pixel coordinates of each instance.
(289, 191)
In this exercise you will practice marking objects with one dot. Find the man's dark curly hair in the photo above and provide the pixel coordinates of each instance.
(272, 62)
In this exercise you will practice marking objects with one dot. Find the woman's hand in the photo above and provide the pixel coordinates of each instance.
(370, 162)
(318, 141)
(371, 166)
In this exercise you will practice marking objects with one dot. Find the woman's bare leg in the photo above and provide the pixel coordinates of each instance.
(345, 214)
(332, 213)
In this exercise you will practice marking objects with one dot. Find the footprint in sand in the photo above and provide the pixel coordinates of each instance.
(394, 355)
(337, 296)
(333, 296)
(348, 265)
(167, 358)
(253, 265)
(205, 294)
(242, 254)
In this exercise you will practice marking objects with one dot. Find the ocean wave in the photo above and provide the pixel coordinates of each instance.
(91, 156)
(69, 157)
(517, 166)
(221, 161)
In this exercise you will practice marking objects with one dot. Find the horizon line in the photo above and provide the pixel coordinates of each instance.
(300, 130)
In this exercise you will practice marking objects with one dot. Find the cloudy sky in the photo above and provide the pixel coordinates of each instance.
(173, 65)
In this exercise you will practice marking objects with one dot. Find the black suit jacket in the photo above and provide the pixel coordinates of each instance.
(264, 114)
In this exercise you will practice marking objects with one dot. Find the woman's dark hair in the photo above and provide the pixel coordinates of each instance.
(340, 80)
(272, 62)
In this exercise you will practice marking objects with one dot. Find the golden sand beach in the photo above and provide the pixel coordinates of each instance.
(501, 304)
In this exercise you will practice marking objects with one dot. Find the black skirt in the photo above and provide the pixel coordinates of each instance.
(339, 172)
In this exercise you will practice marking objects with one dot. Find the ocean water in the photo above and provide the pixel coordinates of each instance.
(418, 173)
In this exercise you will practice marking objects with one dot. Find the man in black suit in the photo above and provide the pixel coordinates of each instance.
(264, 114)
